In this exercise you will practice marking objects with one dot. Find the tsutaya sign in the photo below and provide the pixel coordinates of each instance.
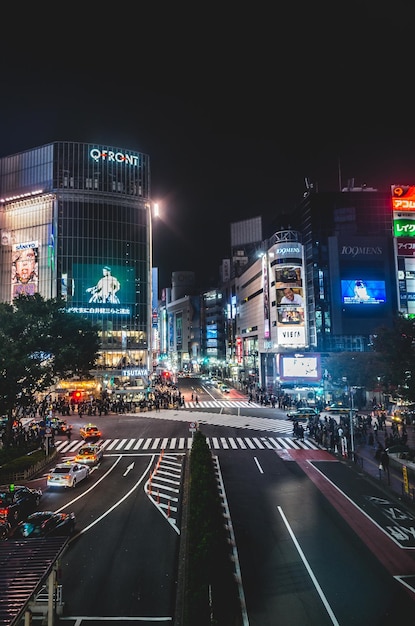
(115, 157)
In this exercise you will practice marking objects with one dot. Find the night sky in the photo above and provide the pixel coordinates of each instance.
(236, 107)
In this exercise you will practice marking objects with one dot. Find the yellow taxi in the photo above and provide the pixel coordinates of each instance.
(89, 454)
(90, 432)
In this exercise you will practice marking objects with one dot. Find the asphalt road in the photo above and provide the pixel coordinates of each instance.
(307, 553)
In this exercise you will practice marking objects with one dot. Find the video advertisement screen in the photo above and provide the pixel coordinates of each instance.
(103, 288)
(360, 292)
(300, 366)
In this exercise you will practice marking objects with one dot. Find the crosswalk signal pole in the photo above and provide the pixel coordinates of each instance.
(351, 422)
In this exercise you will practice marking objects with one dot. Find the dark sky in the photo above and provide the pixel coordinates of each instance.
(234, 106)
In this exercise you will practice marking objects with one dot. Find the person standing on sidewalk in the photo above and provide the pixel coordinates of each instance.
(384, 461)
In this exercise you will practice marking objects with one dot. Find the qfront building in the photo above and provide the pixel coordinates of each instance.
(75, 222)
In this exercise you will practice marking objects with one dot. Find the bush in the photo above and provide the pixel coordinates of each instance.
(18, 460)
(211, 591)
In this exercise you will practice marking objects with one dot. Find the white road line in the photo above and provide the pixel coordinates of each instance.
(308, 568)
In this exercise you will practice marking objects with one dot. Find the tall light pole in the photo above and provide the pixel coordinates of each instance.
(152, 211)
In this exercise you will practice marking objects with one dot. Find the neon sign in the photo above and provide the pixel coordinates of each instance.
(114, 157)
(403, 197)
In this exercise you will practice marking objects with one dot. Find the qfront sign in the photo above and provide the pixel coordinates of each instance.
(114, 157)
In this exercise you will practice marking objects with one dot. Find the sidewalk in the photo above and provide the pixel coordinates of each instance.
(394, 480)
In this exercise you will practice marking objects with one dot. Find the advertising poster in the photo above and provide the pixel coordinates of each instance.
(24, 270)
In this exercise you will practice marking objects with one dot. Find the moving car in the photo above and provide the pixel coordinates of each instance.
(90, 432)
(89, 453)
(45, 524)
(17, 502)
(58, 426)
(303, 413)
(5, 529)
(338, 408)
(67, 475)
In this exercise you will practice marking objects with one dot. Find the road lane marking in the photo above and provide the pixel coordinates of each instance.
(308, 568)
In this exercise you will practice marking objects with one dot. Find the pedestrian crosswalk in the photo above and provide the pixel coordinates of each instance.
(182, 444)
(224, 404)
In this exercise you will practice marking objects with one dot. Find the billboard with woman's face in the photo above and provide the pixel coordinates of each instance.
(24, 268)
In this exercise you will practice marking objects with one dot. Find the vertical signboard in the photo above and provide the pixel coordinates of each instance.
(265, 291)
(290, 295)
(403, 205)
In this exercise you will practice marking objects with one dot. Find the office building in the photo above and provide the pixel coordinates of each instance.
(75, 222)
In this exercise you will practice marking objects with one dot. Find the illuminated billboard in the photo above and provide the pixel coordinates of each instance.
(404, 224)
(24, 270)
(103, 289)
(300, 366)
(358, 291)
(289, 296)
(403, 197)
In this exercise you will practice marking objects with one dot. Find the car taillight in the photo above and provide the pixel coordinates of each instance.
(4, 512)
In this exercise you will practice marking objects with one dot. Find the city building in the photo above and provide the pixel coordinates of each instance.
(179, 324)
(322, 285)
(348, 242)
(75, 222)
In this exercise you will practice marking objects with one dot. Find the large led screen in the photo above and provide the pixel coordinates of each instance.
(358, 291)
(300, 366)
(104, 288)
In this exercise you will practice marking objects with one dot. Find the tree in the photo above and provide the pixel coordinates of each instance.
(360, 369)
(40, 342)
(395, 348)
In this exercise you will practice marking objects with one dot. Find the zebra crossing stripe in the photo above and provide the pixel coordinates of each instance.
(112, 445)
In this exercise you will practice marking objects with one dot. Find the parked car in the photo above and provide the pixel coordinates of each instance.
(303, 413)
(90, 454)
(67, 475)
(45, 524)
(90, 432)
(17, 502)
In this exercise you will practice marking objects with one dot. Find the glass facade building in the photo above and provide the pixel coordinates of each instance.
(75, 222)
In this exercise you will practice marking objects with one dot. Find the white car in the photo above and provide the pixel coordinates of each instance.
(67, 475)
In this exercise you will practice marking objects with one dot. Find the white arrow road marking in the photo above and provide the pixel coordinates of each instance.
(129, 468)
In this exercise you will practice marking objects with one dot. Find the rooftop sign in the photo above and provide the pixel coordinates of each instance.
(114, 157)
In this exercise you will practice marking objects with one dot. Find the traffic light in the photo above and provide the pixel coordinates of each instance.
(76, 396)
